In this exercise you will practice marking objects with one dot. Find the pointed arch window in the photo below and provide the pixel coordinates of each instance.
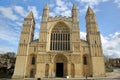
(95, 42)
(35, 49)
(24, 41)
(60, 38)
(85, 60)
(33, 61)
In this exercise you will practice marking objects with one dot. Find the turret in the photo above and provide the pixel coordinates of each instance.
(43, 29)
(74, 13)
(93, 35)
(45, 14)
(30, 15)
(75, 34)
(91, 24)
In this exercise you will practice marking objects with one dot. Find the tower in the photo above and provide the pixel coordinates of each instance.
(75, 30)
(43, 30)
(26, 37)
(94, 42)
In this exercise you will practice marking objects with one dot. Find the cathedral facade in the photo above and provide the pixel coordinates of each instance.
(59, 51)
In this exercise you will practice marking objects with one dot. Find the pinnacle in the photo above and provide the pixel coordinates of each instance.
(89, 11)
(46, 6)
(30, 15)
(74, 6)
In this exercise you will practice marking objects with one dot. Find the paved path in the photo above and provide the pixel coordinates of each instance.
(114, 74)
(109, 76)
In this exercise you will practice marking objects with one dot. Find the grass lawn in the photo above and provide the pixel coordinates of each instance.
(10, 79)
(109, 69)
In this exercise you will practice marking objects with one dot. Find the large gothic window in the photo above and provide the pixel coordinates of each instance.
(60, 38)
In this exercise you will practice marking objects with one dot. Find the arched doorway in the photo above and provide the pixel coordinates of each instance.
(32, 73)
(60, 65)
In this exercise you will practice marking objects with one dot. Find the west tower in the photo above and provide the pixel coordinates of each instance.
(26, 37)
(95, 45)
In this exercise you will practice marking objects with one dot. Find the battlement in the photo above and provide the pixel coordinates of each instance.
(59, 18)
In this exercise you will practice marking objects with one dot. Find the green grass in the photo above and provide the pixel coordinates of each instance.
(109, 69)
(16, 79)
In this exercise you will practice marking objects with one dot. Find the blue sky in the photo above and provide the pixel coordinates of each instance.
(13, 12)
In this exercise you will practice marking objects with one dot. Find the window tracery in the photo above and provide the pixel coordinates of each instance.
(60, 38)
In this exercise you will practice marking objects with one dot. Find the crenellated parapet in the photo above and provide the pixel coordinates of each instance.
(63, 18)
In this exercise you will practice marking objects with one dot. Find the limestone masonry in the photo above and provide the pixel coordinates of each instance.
(59, 51)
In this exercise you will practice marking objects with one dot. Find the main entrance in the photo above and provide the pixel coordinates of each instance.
(60, 65)
(59, 69)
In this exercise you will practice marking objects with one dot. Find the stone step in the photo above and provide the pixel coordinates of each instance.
(64, 79)
(57, 79)
(72, 79)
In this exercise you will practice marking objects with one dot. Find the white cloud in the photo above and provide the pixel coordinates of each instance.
(66, 13)
(36, 34)
(19, 24)
(83, 35)
(62, 7)
(91, 3)
(111, 44)
(52, 14)
(4, 49)
(51, 5)
(20, 10)
(35, 11)
(11, 24)
(59, 9)
(10, 12)
(7, 12)
(10, 31)
(8, 35)
(10, 27)
(37, 25)
(60, 2)
(117, 2)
